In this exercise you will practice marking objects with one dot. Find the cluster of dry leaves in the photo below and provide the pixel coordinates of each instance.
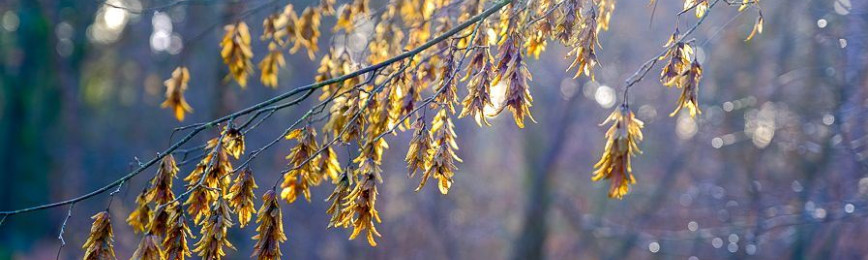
(365, 109)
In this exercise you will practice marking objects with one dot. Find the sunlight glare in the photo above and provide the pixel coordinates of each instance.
(605, 96)
(498, 94)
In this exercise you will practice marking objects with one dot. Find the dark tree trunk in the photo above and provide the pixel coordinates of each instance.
(540, 167)
(27, 85)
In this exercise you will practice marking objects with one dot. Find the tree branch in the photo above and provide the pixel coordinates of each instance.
(640, 74)
(264, 105)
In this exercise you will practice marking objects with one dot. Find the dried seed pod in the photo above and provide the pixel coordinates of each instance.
(99, 244)
(569, 22)
(479, 86)
(327, 7)
(447, 88)
(757, 26)
(160, 190)
(605, 8)
(233, 142)
(327, 164)
(159, 223)
(584, 48)
(338, 199)
(700, 7)
(690, 90)
(241, 196)
(387, 40)
(307, 32)
(284, 26)
(512, 71)
(270, 231)
(378, 123)
(237, 53)
(679, 54)
(350, 12)
(175, 242)
(441, 153)
(622, 137)
(417, 155)
(216, 180)
(303, 174)
(175, 88)
(148, 249)
(139, 218)
(270, 65)
(360, 202)
(214, 239)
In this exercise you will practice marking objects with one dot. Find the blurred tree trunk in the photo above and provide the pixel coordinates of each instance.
(71, 176)
(811, 168)
(27, 83)
(849, 112)
(851, 116)
(653, 203)
(531, 241)
(782, 19)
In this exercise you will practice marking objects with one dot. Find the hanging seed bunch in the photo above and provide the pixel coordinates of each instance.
(407, 74)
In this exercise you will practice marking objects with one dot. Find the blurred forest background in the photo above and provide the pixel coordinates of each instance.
(773, 168)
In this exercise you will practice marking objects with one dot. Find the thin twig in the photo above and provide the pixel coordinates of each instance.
(160, 7)
(310, 112)
(62, 228)
(643, 70)
(546, 14)
(208, 168)
(432, 97)
(337, 136)
(112, 195)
